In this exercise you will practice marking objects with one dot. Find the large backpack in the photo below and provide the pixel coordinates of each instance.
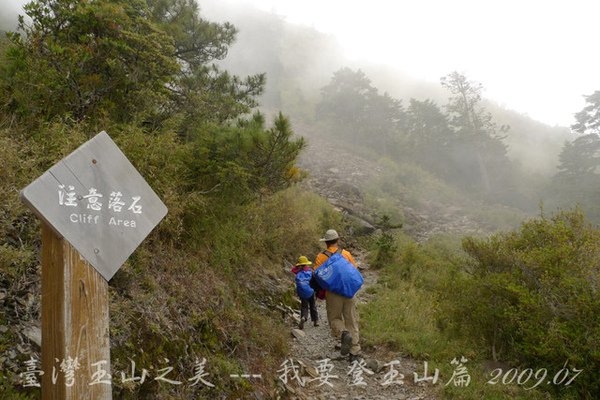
(303, 284)
(338, 275)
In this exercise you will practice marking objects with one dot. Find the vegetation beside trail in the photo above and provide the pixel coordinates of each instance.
(205, 284)
(527, 298)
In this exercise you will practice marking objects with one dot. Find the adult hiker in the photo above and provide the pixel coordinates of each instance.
(342, 312)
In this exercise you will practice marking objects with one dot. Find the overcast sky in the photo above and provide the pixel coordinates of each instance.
(537, 57)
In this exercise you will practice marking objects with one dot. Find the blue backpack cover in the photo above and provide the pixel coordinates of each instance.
(303, 284)
(338, 275)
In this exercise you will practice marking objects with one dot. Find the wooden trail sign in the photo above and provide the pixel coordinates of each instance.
(98, 202)
(96, 210)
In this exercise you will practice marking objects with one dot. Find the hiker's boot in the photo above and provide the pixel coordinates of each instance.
(302, 321)
(354, 357)
(316, 323)
(346, 343)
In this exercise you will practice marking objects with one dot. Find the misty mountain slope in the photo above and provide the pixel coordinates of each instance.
(367, 187)
(533, 144)
(299, 60)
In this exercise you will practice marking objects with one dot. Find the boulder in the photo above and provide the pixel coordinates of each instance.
(34, 333)
(298, 334)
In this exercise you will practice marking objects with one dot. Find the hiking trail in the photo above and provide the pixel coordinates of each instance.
(342, 177)
(313, 345)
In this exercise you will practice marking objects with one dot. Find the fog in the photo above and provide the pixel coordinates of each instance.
(525, 65)
(9, 9)
(299, 59)
(518, 49)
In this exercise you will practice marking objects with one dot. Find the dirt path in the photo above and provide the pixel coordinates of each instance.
(310, 351)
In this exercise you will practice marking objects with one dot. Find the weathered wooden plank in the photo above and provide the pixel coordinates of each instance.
(75, 322)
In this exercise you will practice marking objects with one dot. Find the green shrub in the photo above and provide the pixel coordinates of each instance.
(533, 296)
(528, 298)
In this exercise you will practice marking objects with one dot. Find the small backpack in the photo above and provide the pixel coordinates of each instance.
(338, 275)
(303, 288)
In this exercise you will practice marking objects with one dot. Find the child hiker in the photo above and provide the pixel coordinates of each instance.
(304, 272)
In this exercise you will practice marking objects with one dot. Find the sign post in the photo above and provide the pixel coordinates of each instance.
(74, 322)
(95, 209)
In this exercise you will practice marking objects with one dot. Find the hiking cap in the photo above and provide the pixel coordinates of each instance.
(330, 235)
(302, 260)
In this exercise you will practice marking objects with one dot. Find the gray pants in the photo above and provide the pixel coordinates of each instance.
(309, 304)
